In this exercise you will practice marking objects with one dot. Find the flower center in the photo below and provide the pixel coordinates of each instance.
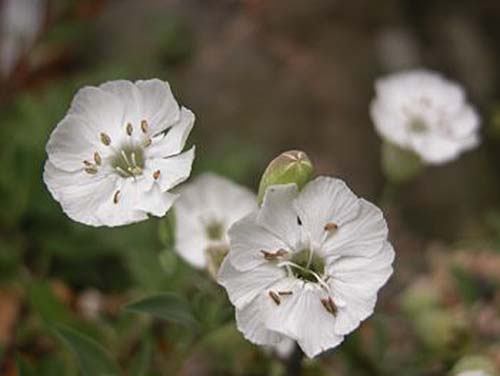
(214, 231)
(417, 126)
(310, 265)
(129, 162)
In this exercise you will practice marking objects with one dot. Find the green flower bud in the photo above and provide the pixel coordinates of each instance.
(292, 166)
(400, 165)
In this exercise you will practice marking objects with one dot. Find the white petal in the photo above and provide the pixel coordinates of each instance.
(173, 141)
(119, 208)
(278, 215)
(303, 317)
(247, 240)
(243, 286)
(73, 141)
(191, 241)
(363, 236)
(173, 170)
(128, 94)
(159, 106)
(356, 281)
(155, 201)
(101, 110)
(250, 322)
(80, 194)
(325, 200)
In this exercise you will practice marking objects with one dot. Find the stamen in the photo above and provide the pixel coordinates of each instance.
(91, 170)
(122, 171)
(105, 139)
(130, 129)
(285, 293)
(271, 256)
(156, 175)
(134, 161)
(331, 226)
(329, 305)
(87, 163)
(116, 197)
(124, 155)
(275, 297)
(299, 221)
(147, 142)
(314, 274)
(97, 158)
(144, 126)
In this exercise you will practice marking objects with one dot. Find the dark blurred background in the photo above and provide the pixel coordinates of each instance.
(262, 77)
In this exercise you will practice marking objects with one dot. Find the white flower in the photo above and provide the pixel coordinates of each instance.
(204, 212)
(307, 265)
(421, 111)
(20, 23)
(117, 153)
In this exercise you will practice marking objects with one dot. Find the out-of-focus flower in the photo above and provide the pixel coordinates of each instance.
(307, 265)
(421, 111)
(206, 209)
(20, 23)
(111, 160)
(474, 365)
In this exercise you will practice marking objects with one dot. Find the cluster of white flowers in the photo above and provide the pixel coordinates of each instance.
(307, 265)
(117, 153)
(423, 112)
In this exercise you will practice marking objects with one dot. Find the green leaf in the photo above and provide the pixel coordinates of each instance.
(166, 306)
(93, 359)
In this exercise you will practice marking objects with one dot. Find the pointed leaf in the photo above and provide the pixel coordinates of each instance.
(166, 306)
(93, 359)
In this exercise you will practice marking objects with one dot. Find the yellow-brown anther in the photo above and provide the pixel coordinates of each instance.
(105, 139)
(116, 197)
(97, 158)
(270, 256)
(329, 305)
(331, 226)
(144, 126)
(156, 175)
(285, 293)
(275, 297)
(130, 129)
(91, 170)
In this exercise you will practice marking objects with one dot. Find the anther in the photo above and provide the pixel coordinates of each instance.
(156, 175)
(116, 197)
(331, 226)
(87, 163)
(105, 139)
(144, 126)
(147, 142)
(329, 305)
(91, 170)
(285, 293)
(275, 297)
(129, 129)
(270, 256)
(97, 158)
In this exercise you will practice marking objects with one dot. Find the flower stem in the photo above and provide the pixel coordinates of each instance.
(294, 363)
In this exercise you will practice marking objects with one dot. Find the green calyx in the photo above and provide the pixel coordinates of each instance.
(292, 166)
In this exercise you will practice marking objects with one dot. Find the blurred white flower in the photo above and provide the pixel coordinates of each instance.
(20, 23)
(111, 160)
(474, 373)
(204, 212)
(307, 265)
(423, 112)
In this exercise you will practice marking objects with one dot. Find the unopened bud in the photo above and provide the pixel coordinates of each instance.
(293, 166)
